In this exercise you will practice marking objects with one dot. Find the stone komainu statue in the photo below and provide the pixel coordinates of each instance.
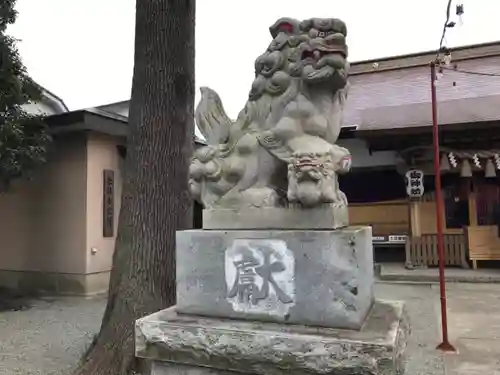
(281, 150)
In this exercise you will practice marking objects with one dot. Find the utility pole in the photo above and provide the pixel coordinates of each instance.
(445, 344)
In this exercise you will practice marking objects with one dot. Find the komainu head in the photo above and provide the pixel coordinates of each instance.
(324, 52)
(310, 52)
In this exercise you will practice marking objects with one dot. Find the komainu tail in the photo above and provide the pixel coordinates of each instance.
(211, 118)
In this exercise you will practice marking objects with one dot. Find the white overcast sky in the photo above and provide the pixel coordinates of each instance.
(82, 50)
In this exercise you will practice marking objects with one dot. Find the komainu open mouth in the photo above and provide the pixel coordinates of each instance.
(317, 54)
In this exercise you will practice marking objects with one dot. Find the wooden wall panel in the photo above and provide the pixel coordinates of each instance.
(384, 217)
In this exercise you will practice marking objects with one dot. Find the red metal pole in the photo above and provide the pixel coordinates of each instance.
(445, 344)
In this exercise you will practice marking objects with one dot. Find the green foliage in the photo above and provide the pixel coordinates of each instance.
(23, 137)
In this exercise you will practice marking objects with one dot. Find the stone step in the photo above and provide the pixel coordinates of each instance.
(183, 344)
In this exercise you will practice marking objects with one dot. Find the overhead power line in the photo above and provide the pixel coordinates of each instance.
(445, 27)
(442, 48)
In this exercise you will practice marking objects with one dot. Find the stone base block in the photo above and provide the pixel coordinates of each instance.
(189, 345)
(326, 217)
(319, 278)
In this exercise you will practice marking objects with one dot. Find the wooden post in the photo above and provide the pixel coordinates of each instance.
(415, 228)
(472, 209)
(471, 201)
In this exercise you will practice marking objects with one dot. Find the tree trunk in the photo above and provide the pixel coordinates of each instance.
(156, 200)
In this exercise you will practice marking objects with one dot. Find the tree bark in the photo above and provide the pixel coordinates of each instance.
(156, 199)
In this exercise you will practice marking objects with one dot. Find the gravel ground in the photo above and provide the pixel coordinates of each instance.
(49, 338)
(423, 359)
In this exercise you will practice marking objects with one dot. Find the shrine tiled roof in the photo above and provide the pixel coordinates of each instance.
(395, 92)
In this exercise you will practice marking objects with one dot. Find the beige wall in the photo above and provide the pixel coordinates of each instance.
(58, 217)
(51, 224)
(15, 228)
(46, 216)
(101, 154)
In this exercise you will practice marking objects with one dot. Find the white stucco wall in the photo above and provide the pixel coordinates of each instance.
(39, 109)
(48, 105)
(361, 157)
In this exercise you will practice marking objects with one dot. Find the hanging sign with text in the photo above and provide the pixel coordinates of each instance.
(108, 204)
(414, 183)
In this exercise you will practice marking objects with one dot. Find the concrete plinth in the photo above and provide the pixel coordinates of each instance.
(326, 217)
(318, 278)
(189, 345)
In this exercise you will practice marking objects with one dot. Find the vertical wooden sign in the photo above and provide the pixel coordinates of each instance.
(108, 203)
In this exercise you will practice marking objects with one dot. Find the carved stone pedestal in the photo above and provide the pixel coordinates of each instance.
(275, 302)
(319, 278)
(188, 345)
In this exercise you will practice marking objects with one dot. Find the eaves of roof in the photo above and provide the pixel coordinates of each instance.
(92, 119)
(468, 52)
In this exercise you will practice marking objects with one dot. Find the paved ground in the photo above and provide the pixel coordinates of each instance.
(423, 358)
(49, 338)
(397, 272)
(474, 313)
(473, 323)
